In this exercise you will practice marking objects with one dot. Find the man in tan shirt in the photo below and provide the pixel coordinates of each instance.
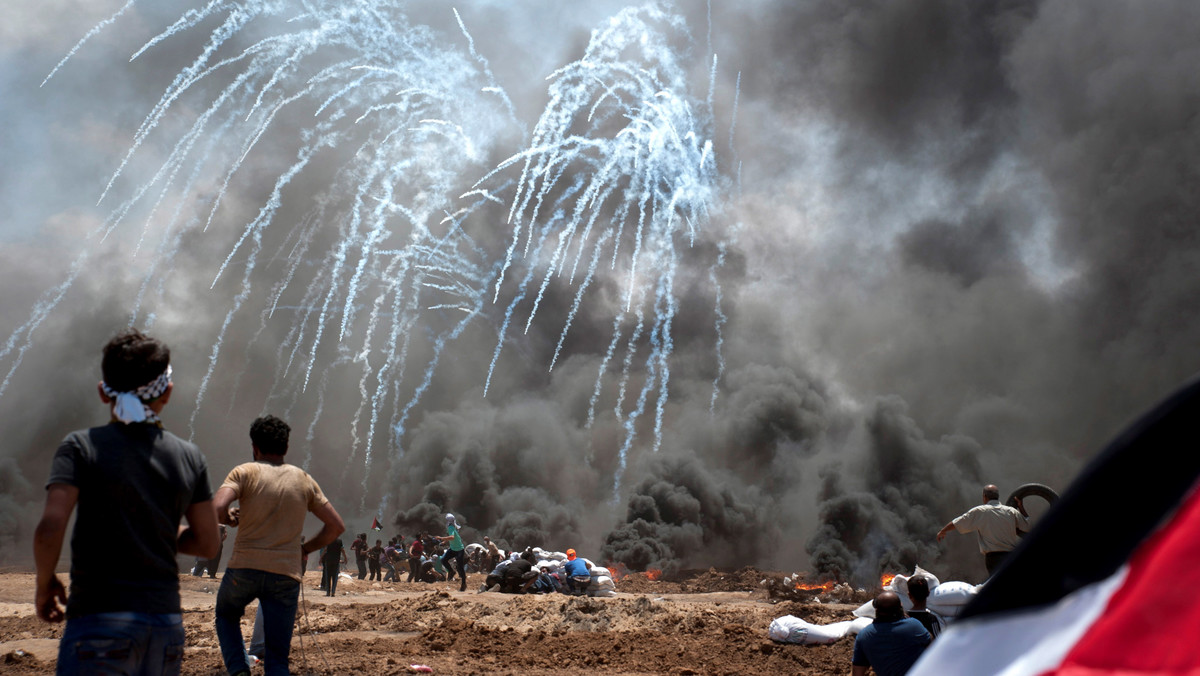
(274, 499)
(998, 527)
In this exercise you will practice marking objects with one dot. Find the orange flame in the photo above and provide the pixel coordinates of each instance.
(617, 571)
(827, 586)
(886, 579)
(653, 574)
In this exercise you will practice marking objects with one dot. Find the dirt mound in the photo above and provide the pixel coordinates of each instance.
(713, 580)
(383, 630)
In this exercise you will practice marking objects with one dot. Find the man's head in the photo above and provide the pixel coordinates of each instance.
(137, 376)
(918, 590)
(570, 554)
(133, 359)
(991, 492)
(269, 435)
(888, 607)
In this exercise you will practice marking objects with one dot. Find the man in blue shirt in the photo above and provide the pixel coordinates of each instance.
(892, 643)
(578, 575)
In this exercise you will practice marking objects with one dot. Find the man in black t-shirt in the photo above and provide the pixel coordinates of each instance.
(359, 547)
(918, 592)
(335, 555)
(133, 483)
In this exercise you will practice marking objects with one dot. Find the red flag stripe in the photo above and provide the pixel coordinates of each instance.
(1152, 622)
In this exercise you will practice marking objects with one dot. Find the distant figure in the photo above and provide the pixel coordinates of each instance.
(335, 556)
(415, 553)
(360, 547)
(373, 561)
(493, 554)
(455, 551)
(274, 498)
(211, 564)
(579, 574)
(918, 593)
(892, 643)
(996, 525)
(133, 482)
(388, 561)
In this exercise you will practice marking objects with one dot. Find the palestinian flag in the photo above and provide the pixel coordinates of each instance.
(1105, 582)
(375, 524)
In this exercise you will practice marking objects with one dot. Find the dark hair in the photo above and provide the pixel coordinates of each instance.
(270, 435)
(132, 359)
(918, 587)
(991, 492)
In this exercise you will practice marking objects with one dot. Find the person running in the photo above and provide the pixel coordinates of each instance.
(274, 499)
(133, 482)
(455, 551)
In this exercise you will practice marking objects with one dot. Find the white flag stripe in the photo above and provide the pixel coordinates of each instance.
(1018, 643)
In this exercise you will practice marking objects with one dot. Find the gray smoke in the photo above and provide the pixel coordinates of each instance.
(962, 250)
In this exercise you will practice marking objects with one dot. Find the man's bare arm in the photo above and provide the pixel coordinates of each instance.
(47, 547)
(334, 526)
(201, 536)
(220, 506)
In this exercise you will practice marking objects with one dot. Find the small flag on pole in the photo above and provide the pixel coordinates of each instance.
(375, 524)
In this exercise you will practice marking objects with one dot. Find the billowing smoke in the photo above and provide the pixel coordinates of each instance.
(931, 245)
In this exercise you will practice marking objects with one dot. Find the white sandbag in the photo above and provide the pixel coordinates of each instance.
(791, 629)
(599, 571)
(899, 584)
(866, 610)
(474, 546)
(602, 582)
(950, 597)
(556, 556)
(602, 593)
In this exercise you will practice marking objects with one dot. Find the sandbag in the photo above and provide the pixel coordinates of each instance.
(950, 597)
(599, 571)
(602, 593)
(899, 584)
(602, 582)
(791, 629)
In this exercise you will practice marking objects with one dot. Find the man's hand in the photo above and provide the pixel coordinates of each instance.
(51, 600)
(233, 516)
(945, 529)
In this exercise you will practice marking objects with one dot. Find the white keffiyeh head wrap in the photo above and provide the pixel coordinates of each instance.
(131, 407)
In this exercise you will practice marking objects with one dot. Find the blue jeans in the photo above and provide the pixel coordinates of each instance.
(122, 643)
(277, 598)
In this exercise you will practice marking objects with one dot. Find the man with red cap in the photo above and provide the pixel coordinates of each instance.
(578, 575)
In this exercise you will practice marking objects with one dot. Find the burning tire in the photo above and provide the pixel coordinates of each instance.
(1037, 490)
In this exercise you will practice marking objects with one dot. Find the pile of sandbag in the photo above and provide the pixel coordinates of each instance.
(945, 598)
(602, 583)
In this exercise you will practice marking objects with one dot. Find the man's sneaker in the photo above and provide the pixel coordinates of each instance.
(255, 660)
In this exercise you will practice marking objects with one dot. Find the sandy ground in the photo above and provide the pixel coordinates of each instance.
(706, 623)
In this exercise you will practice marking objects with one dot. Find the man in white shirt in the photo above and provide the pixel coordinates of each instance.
(997, 526)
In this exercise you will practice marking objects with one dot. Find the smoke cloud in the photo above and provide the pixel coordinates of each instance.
(935, 245)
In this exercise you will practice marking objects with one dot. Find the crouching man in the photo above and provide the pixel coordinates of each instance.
(274, 498)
